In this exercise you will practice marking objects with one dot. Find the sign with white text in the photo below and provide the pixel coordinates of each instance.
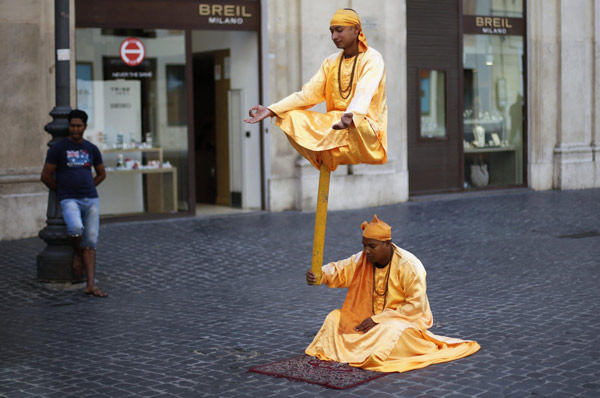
(486, 25)
(170, 14)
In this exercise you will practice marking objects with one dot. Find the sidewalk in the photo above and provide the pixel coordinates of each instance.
(196, 302)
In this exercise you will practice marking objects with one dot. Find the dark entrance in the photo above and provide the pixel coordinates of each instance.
(434, 135)
(211, 122)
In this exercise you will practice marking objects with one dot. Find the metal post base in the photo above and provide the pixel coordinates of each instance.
(55, 262)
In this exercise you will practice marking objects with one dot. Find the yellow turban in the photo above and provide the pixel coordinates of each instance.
(344, 17)
(376, 229)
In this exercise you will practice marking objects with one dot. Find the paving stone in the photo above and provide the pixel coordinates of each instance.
(195, 302)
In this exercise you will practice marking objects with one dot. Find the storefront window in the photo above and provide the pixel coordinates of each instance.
(493, 60)
(432, 84)
(496, 8)
(131, 84)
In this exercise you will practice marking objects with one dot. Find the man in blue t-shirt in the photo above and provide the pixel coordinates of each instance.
(72, 159)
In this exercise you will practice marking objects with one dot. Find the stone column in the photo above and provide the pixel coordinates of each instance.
(563, 85)
(596, 94)
(284, 66)
(543, 90)
(27, 70)
(574, 154)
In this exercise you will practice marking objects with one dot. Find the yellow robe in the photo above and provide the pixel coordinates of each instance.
(310, 132)
(400, 341)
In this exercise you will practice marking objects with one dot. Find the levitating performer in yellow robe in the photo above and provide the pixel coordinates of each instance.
(352, 83)
(383, 322)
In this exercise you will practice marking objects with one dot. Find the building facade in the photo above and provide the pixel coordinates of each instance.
(481, 94)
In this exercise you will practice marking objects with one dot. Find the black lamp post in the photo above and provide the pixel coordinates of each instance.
(54, 263)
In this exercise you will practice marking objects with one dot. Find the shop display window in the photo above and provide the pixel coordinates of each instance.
(432, 91)
(131, 84)
(493, 96)
(503, 8)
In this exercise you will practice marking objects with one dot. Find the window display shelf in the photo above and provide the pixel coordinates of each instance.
(482, 121)
(148, 170)
(507, 148)
(160, 189)
(145, 150)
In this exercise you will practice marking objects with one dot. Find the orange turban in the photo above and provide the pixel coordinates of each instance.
(345, 17)
(376, 229)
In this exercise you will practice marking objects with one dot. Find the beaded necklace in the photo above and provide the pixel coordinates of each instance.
(387, 282)
(345, 93)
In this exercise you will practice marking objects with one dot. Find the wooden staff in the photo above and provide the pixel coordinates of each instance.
(320, 223)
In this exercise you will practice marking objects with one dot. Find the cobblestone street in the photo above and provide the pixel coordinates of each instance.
(194, 303)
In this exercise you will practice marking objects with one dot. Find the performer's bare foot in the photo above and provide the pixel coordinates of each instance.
(95, 291)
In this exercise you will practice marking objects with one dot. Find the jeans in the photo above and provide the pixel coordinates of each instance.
(82, 217)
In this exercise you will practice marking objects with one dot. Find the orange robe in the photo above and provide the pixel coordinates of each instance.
(400, 341)
(310, 132)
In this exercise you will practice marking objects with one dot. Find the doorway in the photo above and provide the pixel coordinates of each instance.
(225, 74)
(434, 135)
(211, 127)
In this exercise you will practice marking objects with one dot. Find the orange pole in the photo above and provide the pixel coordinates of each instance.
(320, 223)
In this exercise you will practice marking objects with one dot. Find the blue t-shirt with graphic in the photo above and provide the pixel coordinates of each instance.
(74, 178)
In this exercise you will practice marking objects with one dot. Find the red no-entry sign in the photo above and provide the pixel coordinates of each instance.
(132, 51)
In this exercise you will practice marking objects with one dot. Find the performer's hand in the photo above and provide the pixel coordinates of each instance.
(365, 325)
(344, 123)
(258, 113)
(311, 278)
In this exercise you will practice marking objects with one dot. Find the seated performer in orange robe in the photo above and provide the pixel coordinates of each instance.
(383, 322)
(352, 83)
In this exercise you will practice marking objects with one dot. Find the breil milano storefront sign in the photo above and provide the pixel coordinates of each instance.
(169, 14)
(486, 25)
(224, 14)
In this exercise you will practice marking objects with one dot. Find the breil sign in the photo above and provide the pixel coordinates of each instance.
(224, 14)
(242, 15)
(489, 25)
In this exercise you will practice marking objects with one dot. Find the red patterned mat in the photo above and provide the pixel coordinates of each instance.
(312, 370)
